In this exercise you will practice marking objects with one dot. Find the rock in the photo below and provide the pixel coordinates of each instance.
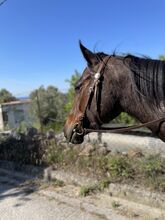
(77, 147)
(99, 137)
(64, 144)
(136, 152)
(47, 174)
(102, 151)
(87, 150)
(31, 132)
(60, 137)
(15, 135)
(124, 153)
(50, 134)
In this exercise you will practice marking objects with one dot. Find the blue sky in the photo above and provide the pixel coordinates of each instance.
(39, 38)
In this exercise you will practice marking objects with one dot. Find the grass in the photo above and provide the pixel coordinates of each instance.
(87, 190)
(148, 171)
(115, 204)
(100, 186)
(100, 216)
(56, 183)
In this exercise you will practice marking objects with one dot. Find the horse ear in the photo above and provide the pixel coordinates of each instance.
(90, 57)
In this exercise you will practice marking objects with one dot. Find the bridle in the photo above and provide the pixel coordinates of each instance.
(92, 93)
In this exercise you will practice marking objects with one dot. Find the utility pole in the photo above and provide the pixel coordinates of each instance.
(39, 112)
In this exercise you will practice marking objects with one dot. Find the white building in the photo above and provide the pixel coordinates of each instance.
(13, 113)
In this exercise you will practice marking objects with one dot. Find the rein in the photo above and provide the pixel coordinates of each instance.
(93, 92)
(122, 129)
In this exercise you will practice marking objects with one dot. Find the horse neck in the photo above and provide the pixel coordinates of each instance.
(139, 107)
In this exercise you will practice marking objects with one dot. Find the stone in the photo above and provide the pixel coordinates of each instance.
(50, 134)
(135, 152)
(102, 151)
(87, 150)
(31, 132)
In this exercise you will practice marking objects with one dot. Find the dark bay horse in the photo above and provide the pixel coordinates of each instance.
(112, 84)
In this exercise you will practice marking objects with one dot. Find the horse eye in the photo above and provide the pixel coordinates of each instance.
(77, 87)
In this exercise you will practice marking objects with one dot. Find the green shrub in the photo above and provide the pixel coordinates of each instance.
(120, 167)
(152, 166)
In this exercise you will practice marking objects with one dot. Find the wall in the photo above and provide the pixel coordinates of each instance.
(15, 114)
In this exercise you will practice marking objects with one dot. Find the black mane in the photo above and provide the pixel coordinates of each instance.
(149, 77)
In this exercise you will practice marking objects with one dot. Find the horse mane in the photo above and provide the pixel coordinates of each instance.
(149, 77)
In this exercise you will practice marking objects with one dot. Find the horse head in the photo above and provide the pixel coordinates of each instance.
(96, 96)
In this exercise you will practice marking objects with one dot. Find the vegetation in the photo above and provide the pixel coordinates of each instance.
(70, 93)
(6, 96)
(162, 57)
(124, 118)
(115, 204)
(22, 149)
(148, 171)
(100, 186)
(48, 107)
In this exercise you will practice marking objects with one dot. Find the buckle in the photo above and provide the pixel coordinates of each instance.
(77, 130)
(97, 75)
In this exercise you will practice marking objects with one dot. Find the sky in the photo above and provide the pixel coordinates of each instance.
(39, 38)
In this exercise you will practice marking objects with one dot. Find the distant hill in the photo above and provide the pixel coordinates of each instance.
(23, 98)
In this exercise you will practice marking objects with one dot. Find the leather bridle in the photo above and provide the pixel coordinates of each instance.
(92, 93)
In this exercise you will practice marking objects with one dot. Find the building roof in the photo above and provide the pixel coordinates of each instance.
(18, 102)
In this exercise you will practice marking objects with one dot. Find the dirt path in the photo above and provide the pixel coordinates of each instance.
(21, 200)
(104, 205)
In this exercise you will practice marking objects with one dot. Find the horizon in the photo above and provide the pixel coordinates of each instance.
(39, 41)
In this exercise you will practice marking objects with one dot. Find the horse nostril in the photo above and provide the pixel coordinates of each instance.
(68, 132)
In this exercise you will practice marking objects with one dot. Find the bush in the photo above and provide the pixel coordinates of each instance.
(22, 149)
(120, 167)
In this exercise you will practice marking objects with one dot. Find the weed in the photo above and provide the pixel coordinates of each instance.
(152, 166)
(115, 204)
(57, 183)
(103, 184)
(120, 167)
(86, 190)
(99, 215)
(100, 186)
(147, 171)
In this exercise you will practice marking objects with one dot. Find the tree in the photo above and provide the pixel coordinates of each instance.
(48, 106)
(70, 94)
(162, 57)
(6, 96)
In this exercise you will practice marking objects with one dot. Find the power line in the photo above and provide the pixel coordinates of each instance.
(3, 1)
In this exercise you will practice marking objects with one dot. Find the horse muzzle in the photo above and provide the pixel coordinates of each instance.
(74, 134)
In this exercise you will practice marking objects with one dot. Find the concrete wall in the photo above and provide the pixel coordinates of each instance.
(125, 142)
(16, 114)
